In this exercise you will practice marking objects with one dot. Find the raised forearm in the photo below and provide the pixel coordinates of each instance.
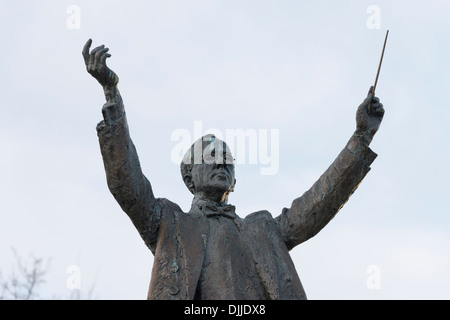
(125, 179)
(309, 213)
(358, 145)
(312, 211)
(113, 109)
(112, 94)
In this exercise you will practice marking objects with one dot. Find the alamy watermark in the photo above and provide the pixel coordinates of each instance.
(251, 146)
(374, 279)
(73, 21)
(73, 281)
(374, 20)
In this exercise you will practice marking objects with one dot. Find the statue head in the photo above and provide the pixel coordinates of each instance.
(207, 169)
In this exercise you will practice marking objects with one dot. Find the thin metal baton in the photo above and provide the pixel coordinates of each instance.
(379, 67)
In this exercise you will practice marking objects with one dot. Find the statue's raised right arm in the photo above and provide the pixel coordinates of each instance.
(309, 213)
(125, 179)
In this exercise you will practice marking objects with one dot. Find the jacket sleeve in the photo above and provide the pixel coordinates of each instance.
(312, 211)
(124, 176)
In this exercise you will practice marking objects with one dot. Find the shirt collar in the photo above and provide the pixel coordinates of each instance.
(211, 209)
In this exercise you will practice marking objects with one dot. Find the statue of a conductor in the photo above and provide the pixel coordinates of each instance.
(210, 252)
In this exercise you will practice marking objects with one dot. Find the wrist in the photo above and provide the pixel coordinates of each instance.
(358, 145)
(112, 94)
(113, 108)
(363, 136)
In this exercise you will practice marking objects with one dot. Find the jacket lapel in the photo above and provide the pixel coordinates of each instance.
(193, 231)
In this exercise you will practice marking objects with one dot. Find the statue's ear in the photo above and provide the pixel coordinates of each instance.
(189, 183)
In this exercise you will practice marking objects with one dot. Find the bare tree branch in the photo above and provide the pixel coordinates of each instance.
(24, 279)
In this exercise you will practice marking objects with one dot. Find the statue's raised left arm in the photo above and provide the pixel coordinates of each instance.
(309, 213)
(124, 176)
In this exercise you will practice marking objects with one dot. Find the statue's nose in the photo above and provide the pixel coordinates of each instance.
(219, 165)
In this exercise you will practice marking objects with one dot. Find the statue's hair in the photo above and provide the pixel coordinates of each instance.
(186, 167)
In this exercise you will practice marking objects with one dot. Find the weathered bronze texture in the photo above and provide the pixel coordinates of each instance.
(210, 252)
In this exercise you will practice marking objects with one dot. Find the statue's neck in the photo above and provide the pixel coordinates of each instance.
(214, 201)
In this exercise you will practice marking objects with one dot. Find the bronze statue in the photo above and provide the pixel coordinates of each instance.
(210, 252)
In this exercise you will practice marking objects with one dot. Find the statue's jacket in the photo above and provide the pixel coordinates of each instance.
(178, 240)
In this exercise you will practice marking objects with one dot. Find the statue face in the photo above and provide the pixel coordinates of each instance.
(212, 172)
(213, 177)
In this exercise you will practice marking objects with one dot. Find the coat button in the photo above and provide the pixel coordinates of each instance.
(173, 290)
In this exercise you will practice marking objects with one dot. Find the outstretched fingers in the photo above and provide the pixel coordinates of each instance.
(85, 51)
(92, 55)
(103, 59)
(99, 62)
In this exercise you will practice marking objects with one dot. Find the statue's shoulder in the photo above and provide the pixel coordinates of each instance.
(262, 215)
(164, 205)
(260, 226)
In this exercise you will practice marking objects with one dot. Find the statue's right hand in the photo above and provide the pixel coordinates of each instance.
(96, 65)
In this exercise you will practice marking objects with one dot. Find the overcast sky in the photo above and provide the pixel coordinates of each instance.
(300, 68)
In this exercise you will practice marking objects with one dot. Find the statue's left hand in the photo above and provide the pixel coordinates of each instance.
(96, 65)
(369, 116)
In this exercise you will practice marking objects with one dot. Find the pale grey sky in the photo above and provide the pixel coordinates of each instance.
(300, 67)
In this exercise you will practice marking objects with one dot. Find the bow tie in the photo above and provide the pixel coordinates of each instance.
(211, 210)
